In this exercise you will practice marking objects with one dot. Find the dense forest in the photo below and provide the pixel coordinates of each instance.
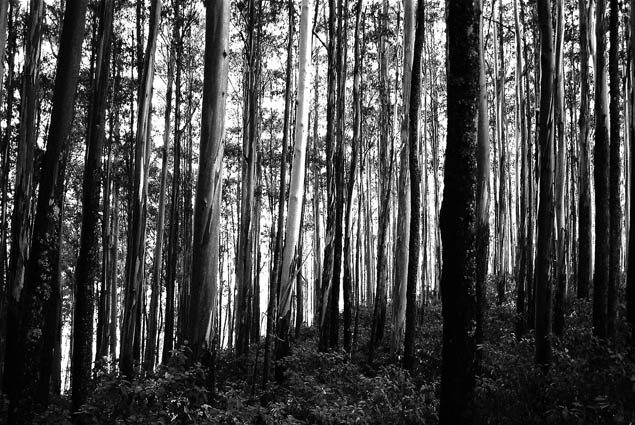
(317, 211)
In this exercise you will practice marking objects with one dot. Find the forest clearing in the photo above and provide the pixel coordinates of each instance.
(317, 212)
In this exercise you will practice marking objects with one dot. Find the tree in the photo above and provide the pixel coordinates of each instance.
(291, 261)
(415, 184)
(88, 261)
(136, 250)
(404, 189)
(40, 294)
(458, 215)
(585, 261)
(615, 203)
(546, 201)
(205, 249)
(630, 283)
(601, 174)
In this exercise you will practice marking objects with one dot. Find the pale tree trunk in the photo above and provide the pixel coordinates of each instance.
(151, 345)
(131, 328)
(560, 184)
(546, 202)
(482, 195)
(291, 262)
(630, 284)
(403, 212)
(458, 219)
(205, 249)
(274, 281)
(250, 140)
(385, 180)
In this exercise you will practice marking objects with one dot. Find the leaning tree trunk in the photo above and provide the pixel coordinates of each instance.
(39, 297)
(601, 174)
(130, 330)
(20, 229)
(291, 262)
(205, 249)
(458, 215)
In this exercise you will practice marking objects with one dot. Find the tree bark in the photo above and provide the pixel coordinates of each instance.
(131, 329)
(458, 218)
(415, 185)
(205, 249)
(601, 174)
(291, 261)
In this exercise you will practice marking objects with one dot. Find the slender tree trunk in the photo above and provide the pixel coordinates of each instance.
(404, 189)
(615, 205)
(546, 201)
(20, 230)
(601, 174)
(385, 180)
(630, 283)
(482, 195)
(415, 185)
(131, 328)
(291, 261)
(459, 216)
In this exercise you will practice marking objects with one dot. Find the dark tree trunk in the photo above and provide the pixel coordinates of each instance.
(415, 195)
(601, 174)
(615, 204)
(87, 274)
(458, 216)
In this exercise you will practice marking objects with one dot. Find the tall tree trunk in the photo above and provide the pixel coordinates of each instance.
(347, 283)
(415, 185)
(560, 269)
(250, 141)
(601, 174)
(546, 202)
(385, 180)
(88, 273)
(615, 204)
(20, 229)
(585, 261)
(205, 249)
(291, 261)
(274, 280)
(131, 328)
(404, 189)
(459, 216)
(482, 195)
(40, 295)
(630, 283)
(151, 345)
(331, 189)
(5, 282)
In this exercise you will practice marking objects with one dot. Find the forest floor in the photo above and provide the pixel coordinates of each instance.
(588, 383)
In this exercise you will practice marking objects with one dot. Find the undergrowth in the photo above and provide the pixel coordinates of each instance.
(588, 382)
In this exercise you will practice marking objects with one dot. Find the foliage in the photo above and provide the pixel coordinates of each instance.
(588, 383)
